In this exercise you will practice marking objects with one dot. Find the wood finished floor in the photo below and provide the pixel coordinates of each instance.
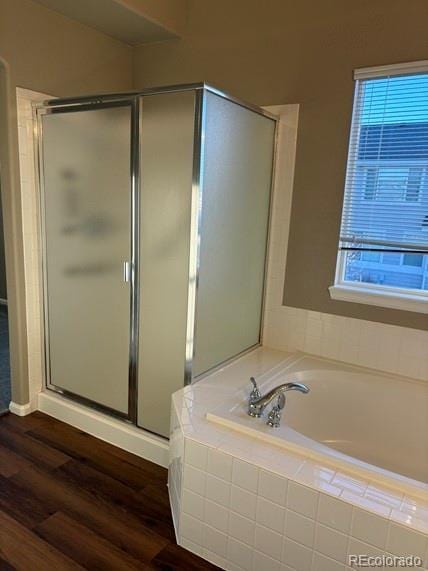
(70, 501)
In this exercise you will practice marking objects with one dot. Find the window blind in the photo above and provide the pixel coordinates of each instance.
(386, 191)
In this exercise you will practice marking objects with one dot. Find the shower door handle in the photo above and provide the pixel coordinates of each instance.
(126, 272)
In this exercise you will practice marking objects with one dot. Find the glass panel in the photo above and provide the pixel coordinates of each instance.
(237, 170)
(86, 157)
(166, 189)
(400, 271)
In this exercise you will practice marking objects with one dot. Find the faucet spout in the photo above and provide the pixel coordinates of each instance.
(257, 405)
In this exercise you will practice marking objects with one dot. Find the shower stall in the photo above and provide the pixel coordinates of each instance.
(154, 226)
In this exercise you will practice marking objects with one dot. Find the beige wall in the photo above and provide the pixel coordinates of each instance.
(288, 51)
(49, 53)
(13, 239)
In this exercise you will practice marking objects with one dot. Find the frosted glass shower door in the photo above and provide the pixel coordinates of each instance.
(86, 202)
(236, 173)
(167, 146)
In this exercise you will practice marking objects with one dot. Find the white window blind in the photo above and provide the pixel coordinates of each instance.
(386, 193)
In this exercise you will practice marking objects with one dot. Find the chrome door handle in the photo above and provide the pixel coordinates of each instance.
(126, 272)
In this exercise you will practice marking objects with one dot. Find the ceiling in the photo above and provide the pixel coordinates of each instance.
(131, 21)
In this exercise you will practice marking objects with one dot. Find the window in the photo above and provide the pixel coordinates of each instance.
(383, 248)
(391, 183)
(413, 260)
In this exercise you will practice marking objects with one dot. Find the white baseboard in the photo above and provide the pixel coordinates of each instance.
(111, 430)
(22, 409)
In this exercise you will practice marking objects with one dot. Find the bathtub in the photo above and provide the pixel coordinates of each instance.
(373, 425)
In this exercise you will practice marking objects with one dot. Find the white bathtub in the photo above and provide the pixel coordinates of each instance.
(371, 424)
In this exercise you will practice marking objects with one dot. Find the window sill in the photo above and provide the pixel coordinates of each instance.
(381, 298)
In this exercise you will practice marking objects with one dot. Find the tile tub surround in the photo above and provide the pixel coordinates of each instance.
(245, 505)
(387, 348)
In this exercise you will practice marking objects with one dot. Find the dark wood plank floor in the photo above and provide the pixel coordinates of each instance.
(71, 501)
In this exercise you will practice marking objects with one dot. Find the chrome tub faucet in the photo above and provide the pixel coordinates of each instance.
(258, 402)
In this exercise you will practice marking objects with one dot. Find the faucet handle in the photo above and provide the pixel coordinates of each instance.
(255, 393)
(274, 417)
(253, 380)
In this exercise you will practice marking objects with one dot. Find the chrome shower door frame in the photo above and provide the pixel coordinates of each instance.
(39, 110)
(136, 101)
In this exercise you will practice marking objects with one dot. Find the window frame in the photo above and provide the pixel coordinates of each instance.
(405, 299)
